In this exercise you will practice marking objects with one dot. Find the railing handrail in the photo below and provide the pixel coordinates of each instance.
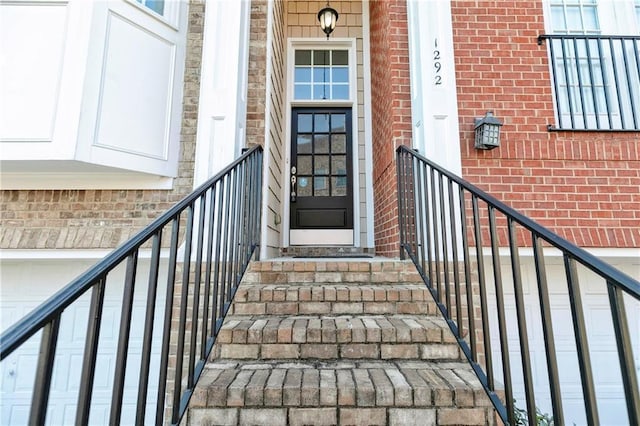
(440, 227)
(29, 325)
(630, 285)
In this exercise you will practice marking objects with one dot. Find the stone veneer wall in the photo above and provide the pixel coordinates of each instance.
(103, 219)
(391, 110)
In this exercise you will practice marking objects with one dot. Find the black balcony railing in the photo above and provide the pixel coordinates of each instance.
(456, 235)
(209, 237)
(596, 81)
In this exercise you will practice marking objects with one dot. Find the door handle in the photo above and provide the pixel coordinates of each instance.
(294, 181)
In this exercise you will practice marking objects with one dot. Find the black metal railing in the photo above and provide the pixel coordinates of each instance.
(199, 250)
(467, 246)
(596, 81)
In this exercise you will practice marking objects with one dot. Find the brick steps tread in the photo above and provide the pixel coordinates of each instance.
(296, 299)
(339, 393)
(341, 383)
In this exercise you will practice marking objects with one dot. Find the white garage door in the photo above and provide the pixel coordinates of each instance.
(24, 285)
(604, 358)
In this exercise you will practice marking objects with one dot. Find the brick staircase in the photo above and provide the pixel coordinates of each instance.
(336, 342)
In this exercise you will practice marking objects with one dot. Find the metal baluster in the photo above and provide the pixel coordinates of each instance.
(143, 380)
(467, 275)
(209, 331)
(44, 372)
(629, 83)
(617, 83)
(502, 321)
(401, 204)
(522, 323)
(625, 352)
(605, 83)
(565, 65)
(420, 196)
(225, 242)
(445, 251)
(182, 324)
(580, 83)
(123, 339)
(593, 84)
(582, 345)
(547, 330)
(427, 225)
(90, 352)
(168, 309)
(436, 243)
(454, 246)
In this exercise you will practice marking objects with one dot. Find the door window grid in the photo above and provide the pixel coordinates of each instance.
(575, 17)
(321, 75)
(321, 155)
(638, 14)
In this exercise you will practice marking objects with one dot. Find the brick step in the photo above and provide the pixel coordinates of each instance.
(337, 299)
(339, 393)
(336, 337)
(332, 271)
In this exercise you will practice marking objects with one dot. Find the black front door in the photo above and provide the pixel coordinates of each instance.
(321, 169)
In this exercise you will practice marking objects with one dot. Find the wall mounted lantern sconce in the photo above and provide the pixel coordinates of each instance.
(487, 131)
(328, 18)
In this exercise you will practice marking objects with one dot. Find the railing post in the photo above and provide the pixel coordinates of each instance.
(44, 372)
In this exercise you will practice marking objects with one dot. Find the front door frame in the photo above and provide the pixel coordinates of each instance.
(322, 237)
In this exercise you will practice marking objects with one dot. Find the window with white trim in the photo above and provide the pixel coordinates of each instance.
(595, 74)
(321, 75)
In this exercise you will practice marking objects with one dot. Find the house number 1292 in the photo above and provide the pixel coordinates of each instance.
(437, 65)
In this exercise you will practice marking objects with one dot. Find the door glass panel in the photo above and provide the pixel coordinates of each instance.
(304, 123)
(321, 123)
(304, 144)
(337, 123)
(339, 186)
(304, 165)
(304, 187)
(321, 144)
(321, 186)
(339, 165)
(339, 144)
(321, 165)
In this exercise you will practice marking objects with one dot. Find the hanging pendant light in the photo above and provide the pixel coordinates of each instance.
(328, 18)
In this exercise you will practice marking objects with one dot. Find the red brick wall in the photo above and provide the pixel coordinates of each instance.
(583, 185)
(391, 113)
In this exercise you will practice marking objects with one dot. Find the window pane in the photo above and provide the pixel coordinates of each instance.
(304, 164)
(339, 165)
(321, 165)
(320, 57)
(337, 122)
(321, 186)
(304, 144)
(302, 75)
(574, 20)
(557, 19)
(591, 19)
(321, 75)
(305, 123)
(339, 144)
(304, 187)
(321, 144)
(321, 123)
(302, 91)
(340, 74)
(339, 186)
(340, 57)
(321, 91)
(340, 91)
(303, 57)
